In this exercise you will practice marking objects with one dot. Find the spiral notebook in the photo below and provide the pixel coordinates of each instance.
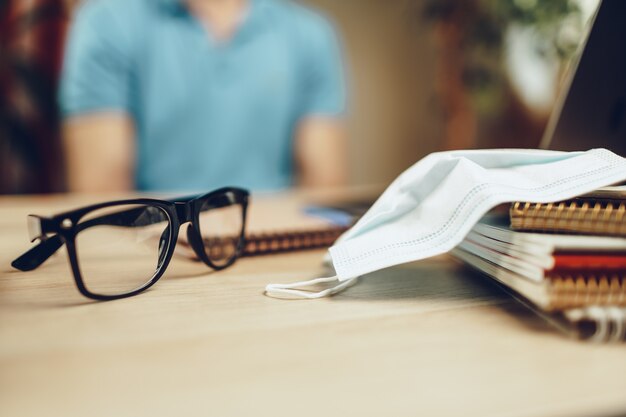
(291, 240)
(299, 228)
(576, 282)
(600, 213)
(559, 289)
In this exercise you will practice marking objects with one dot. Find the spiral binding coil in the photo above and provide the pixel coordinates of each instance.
(603, 217)
(577, 290)
(598, 324)
(221, 247)
(267, 243)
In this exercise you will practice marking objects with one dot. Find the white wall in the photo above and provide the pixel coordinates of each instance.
(394, 116)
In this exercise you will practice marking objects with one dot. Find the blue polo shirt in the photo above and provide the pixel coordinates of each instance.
(206, 114)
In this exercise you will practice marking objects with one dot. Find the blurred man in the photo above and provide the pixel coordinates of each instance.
(197, 94)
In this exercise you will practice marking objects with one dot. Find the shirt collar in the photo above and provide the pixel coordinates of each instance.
(177, 5)
(254, 17)
(170, 5)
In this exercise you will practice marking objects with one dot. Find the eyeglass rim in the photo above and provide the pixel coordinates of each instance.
(75, 264)
(195, 230)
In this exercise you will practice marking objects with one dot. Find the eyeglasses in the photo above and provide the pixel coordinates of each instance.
(121, 248)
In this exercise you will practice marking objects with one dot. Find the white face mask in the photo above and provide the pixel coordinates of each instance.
(430, 207)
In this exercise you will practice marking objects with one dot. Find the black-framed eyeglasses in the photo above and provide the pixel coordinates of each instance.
(118, 249)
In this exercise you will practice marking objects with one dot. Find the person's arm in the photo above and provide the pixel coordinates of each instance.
(95, 96)
(99, 151)
(321, 152)
(320, 143)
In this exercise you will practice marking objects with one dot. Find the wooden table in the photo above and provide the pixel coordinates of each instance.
(429, 338)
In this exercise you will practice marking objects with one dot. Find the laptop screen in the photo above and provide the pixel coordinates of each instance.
(591, 113)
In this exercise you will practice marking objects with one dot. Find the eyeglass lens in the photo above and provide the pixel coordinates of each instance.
(120, 248)
(220, 228)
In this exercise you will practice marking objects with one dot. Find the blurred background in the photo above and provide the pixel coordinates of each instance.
(424, 75)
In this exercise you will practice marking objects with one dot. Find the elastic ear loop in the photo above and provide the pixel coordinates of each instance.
(292, 290)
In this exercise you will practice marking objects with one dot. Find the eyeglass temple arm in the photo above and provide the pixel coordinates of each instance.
(37, 255)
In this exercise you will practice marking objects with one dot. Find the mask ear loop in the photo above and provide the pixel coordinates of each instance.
(295, 291)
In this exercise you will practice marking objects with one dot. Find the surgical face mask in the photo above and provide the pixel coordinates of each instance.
(430, 207)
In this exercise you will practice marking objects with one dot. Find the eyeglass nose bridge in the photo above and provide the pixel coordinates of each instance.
(184, 211)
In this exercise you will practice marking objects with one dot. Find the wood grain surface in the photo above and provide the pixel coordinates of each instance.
(429, 338)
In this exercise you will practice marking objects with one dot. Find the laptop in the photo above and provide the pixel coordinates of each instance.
(591, 111)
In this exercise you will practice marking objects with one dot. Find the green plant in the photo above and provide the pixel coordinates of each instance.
(471, 38)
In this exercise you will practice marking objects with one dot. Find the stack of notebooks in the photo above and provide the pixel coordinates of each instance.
(566, 260)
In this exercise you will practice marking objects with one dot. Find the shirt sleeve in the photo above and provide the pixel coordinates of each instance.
(324, 83)
(96, 65)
